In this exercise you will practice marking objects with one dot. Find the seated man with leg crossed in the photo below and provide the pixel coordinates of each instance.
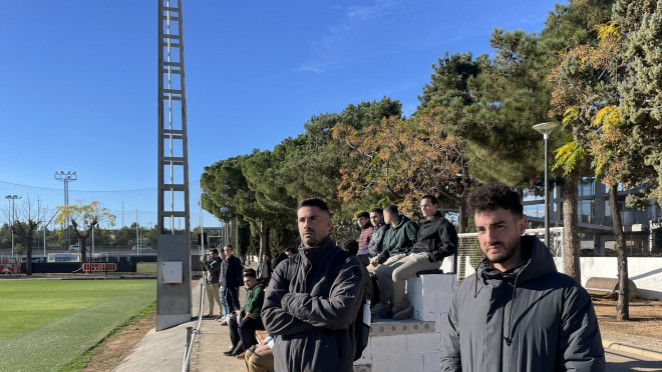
(243, 323)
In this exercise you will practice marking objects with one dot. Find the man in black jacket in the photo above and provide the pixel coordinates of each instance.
(436, 239)
(517, 313)
(312, 300)
(233, 278)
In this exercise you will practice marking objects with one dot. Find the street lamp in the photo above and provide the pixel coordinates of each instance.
(546, 129)
(12, 198)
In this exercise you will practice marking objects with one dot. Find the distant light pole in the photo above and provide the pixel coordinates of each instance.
(66, 178)
(546, 129)
(12, 198)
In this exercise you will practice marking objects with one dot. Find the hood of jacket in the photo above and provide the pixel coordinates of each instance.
(538, 262)
(402, 220)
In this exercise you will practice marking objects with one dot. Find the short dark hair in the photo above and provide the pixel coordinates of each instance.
(292, 250)
(314, 202)
(377, 210)
(214, 251)
(351, 246)
(363, 214)
(433, 199)
(250, 273)
(229, 246)
(492, 196)
(392, 210)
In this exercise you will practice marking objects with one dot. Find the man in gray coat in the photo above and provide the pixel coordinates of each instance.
(313, 299)
(517, 313)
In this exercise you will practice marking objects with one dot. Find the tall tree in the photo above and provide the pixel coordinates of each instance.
(84, 218)
(568, 27)
(640, 105)
(25, 223)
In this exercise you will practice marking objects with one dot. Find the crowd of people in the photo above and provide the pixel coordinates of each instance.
(516, 313)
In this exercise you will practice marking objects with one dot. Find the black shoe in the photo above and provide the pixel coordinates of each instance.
(229, 353)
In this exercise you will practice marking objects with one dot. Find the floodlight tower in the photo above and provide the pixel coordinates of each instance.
(173, 294)
(66, 178)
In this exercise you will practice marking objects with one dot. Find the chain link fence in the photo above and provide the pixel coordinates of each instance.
(469, 253)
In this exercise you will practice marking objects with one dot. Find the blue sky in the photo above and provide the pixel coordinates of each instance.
(79, 81)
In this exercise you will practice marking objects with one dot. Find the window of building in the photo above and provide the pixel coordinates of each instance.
(585, 208)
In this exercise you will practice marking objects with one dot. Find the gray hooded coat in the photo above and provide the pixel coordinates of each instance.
(531, 318)
(311, 315)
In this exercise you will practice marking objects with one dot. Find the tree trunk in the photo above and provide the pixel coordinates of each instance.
(623, 305)
(262, 233)
(571, 242)
(28, 252)
(462, 218)
(83, 249)
(25, 231)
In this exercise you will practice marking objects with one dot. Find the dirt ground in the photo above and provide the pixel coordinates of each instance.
(643, 330)
(115, 348)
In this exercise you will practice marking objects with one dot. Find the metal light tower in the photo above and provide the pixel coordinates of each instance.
(12, 198)
(173, 291)
(66, 178)
(546, 129)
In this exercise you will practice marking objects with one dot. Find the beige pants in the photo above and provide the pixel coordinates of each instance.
(262, 362)
(408, 268)
(212, 296)
(384, 274)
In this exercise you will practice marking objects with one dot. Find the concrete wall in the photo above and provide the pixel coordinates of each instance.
(413, 344)
(645, 272)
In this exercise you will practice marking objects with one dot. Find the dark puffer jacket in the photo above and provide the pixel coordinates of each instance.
(311, 315)
(531, 318)
(377, 240)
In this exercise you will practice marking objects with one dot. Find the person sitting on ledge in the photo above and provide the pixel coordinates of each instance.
(245, 322)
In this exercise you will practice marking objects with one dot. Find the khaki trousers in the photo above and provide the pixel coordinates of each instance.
(408, 268)
(262, 362)
(384, 274)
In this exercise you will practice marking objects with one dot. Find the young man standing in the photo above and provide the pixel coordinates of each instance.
(213, 269)
(517, 313)
(264, 270)
(233, 278)
(313, 298)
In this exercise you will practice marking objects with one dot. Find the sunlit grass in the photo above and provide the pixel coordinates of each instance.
(46, 324)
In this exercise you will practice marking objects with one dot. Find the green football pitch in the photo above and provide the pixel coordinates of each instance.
(46, 324)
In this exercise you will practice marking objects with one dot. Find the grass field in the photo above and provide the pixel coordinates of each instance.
(146, 267)
(46, 324)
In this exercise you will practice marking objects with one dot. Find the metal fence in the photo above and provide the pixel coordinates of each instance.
(469, 253)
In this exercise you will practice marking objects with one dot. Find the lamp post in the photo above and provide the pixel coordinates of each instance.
(545, 129)
(12, 198)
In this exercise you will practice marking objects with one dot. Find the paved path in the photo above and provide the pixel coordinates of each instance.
(620, 361)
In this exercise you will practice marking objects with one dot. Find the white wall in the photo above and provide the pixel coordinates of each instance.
(645, 272)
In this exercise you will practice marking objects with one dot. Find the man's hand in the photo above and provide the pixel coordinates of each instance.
(374, 262)
(261, 348)
(249, 315)
(202, 259)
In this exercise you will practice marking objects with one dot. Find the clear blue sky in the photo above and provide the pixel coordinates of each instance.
(78, 89)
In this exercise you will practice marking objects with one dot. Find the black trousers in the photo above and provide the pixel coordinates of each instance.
(233, 298)
(242, 335)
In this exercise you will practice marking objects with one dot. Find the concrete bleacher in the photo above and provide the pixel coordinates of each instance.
(412, 344)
